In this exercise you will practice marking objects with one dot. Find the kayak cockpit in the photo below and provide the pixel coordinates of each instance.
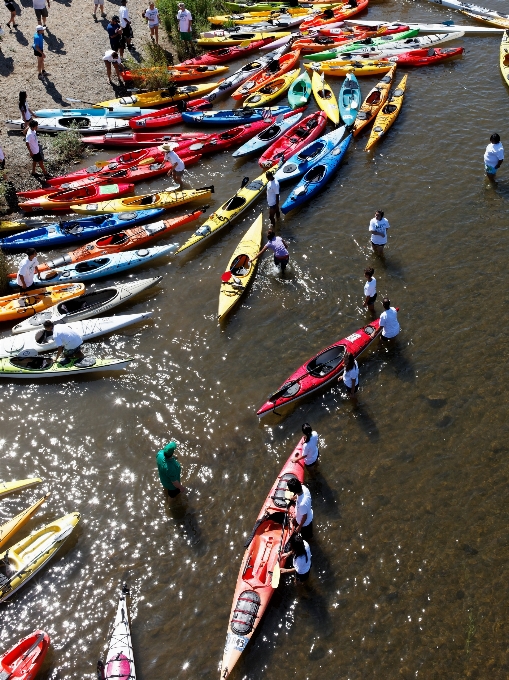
(241, 265)
(32, 363)
(263, 554)
(326, 362)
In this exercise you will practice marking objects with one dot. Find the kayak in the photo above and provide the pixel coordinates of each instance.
(227, 54)
(159, 97)
(285, 40)
(24, 660)
(74, 231)
(387, 114)
(184, 75)
(504, 57)
(426, 57)
(18, 305)
(18, 485)
(492, 21)
(444, 27)
(354, 67)
(34, 368)
(272, 530)
(332, 16)
(240, 269)
(251, 16)
(110, 112)
(233, 116)
(229, 211)
(8, 529)
(312, 153)
(321, 369)
(315, 43)
(62, 199)
(349, 100)
(270, 90)
(170, 115)
(31, 344)
(91, 304)
(374, 101)
(468, 7)
(235, 39)
(120, 657)
(359, 31)
(161, 199)
(25, 558)
(324, 97)
(121, 241)
(267, 136)
(263, 6)
(82, 124)
(151, 139)
(300, 91)
(316, 177)
(265, 24)
(232, 137)
(109, 265)
(294, 139)
(276, 67)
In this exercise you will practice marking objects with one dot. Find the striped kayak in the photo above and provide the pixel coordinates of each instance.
(8, 529)
(146, 100)
(300, 163)
(83, 124)
(120, 658)
(294, 139)
(24, 660)
(110, 112)
(43, 368)
(161, 199)
(300, 91)
(387, 114)
(268, 136)
(324, 97)
(18, 305)
(18, 485)
(374, 101)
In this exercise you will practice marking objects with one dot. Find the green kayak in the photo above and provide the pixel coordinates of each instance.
(32, 368)
(334, 52)
(300, 91)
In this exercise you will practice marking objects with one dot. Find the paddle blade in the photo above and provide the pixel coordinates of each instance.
(226, 277)
(244, 43)
(276, 576)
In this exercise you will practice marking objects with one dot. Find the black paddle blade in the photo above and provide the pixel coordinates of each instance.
(245, 181)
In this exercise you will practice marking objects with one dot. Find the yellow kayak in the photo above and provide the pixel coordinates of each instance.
(374, 101)
(8, 529)
(146, 100)
(11, 487)
(336, 67)
(270, 90)
(235, 39)
(248, 18)
(234, 206)
(387, 114)
(504, 57)
(492, 21)
(324, 97)
(162, 199)
(25, 558)
(240, 268)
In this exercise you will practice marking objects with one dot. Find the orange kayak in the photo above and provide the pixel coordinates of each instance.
(20, 305)
(184, 74)
(286, 63)
(333, 16)
(254, 589)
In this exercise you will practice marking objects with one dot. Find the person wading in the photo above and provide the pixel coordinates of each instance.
(350, 377)
(303, 511)
(493, 156)
(369, 290)
(169, 470)
(378, 229)
(279, 248)
(310, 450)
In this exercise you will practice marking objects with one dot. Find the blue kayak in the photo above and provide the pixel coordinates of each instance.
(111, 112)
(316, 177)
(349, 99)
(231, 116)
(266, 137)
(310, 155)
(109, 265)
(73, 231)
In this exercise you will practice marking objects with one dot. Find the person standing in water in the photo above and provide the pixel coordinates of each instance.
(493, 156)
(279, 248)
(169, 470)
(378, 229)
(350, 377)
(389, 320)
(369, 290)
(310, 451)
(273, 198)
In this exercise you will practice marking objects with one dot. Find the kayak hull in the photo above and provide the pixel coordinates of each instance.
(294, 139)
(374, 101)
(325, 98)
(61, 199)
(387, 115)
(42, 368)
(20, 305)
(24, 660)
(163, 199)
(301, 162)
(232, 117)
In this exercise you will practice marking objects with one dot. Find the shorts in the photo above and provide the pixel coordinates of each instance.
(307, 531)
(372, 299)
(40, 13)
(10, 6)
(173, 493)
(127, 32)
(302, 577)
(186, 35)
(356, 388)
(316, 461)
(378, 244)
(281, 262)
(115, 44)
(72, 353)
(37, 54)
(490, 170)
(99, 2)
(37, 157)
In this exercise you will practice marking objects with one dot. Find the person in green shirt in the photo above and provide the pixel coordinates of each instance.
(169, 470)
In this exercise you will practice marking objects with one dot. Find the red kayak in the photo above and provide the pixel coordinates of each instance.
(294, 139)
(226, 53)
(62, 199)
(432, 55)
(333, 16)
(321, 369)
(138, 139)
(264, 547)
(275, 69)
(24, 660)
(171, 115)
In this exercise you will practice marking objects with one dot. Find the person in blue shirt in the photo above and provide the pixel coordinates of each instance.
(115, 33)
(38, 48)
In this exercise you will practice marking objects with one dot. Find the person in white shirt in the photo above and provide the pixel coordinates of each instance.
(303, 511)
(178, 165)
(301, 553)
(493, 156)
(125, 24)
(310, 451)
(369, 290)
(66, 339)
(112, 57)
(389, 320)
(152, 16)
(185, 22)
(26, 270)
(24, 109)
(272, 197)
(41, 10)
(350, 376)
(34, 149)
(378, 228)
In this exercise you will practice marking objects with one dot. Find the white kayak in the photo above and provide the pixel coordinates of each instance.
(281, 41)
(120, 657)
(445, 27)
(31, 344)
(267, 136)
(398, 47)
(83, 124)
(468, 7)
(110, 112)
(93, 303)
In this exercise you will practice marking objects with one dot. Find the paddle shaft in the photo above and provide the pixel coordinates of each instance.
(80, 101)
(276, 574)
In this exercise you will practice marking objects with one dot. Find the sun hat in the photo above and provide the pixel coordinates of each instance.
(169, 449)
(168, 147)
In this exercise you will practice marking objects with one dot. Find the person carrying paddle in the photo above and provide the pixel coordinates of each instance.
(310, 451)
(26, 270)
(303, 511)
(493, 156)
(279, 248)
(378, 229)
(301, 553)
(350, 377)
(169, 470)
(273, 198)
(67, 341)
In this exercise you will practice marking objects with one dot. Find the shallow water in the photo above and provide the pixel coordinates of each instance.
(411, 538)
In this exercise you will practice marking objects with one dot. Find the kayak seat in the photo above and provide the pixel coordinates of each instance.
(118, 238)
(240, 265)
(245, 612)
(90, 265)
(374, 97)
(315, 174)
(390, 108)
(302, 133)
(279, 497)
(326, 362)
(146, 200)
(431, 52)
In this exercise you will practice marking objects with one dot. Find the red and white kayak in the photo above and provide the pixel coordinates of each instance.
(226, 53)
(170, 115)
(62, 199)
(321, 369)
(333, 16)
(433, 55)
(137, 139)
(120, 659)
(294, 139)
(254, 589)
(24, 660)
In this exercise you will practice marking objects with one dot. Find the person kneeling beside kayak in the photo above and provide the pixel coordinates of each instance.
(66, 339)
(299, 549)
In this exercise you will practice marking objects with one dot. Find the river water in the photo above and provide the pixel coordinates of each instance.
(411, 539)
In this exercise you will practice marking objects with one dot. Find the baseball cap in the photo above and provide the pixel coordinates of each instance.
(40, 28)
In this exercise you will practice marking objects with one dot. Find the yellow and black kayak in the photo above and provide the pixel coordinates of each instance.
(10, 487)
(249, 18)
(270, 90)
(8, 529)
(147, 100)
(324, 96)
(161, 199)
(504, 57)
(340, 68)
(374, 101)
(387, 114)
(231, 39)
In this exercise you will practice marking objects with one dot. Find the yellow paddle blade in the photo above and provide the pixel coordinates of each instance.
(276, 575)
(289, 495)
(101, 164)
(146, 161)
(244, 43)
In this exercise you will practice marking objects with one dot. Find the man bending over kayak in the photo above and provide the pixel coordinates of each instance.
(67, 340)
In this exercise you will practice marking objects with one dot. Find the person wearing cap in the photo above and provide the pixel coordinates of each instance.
(169, 470)
(41, 10)
(34, 148)
(178, 165)
(152, 16)
(67, 340)
(185, 22)
(112, 57)
(38, 48)
(115, 33)
(26, 270)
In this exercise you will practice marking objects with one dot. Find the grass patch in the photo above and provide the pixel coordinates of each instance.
(66, 147)
(200, 9)
(152, 72)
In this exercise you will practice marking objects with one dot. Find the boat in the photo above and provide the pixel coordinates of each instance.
(268, 136)
(498, 22)
(387, 114)
(229, 40)
(241, 18)
(62, 199)
(41, 367)
(82, 124)
(24, 660)
(18, 485)
(300, 91)
(376, 98)
(324, 97)
(353, 67)
(145, 100)
(322, 369)
(349, 100)
(270, 90)
(35, 342)
(19, 305)
(229, 211)
(294, 139)
(120, 657)
(444, 27)
(233, 116)
(161, 199)
(286, 39)
(231, 137)
(316, 177)
(88, 305)
(357, 32)
(169, 115)
(108, 265)
(275, 68)
(426, 57)
(504, 57)
(254, 588)
(141, 139)
(109, 112)
(398, 47)
(301, 162)
(181, 74)
(333, 16)
(240, 269)
(468, 7)
(26, 557)
(265, 6)
(316, 43)
(8, 529)
(68, 232)
(228, 53)
(263, 24)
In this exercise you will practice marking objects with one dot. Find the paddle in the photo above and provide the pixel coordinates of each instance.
(276, 574)
(80, 101)
(276, 395)
(5, 675)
